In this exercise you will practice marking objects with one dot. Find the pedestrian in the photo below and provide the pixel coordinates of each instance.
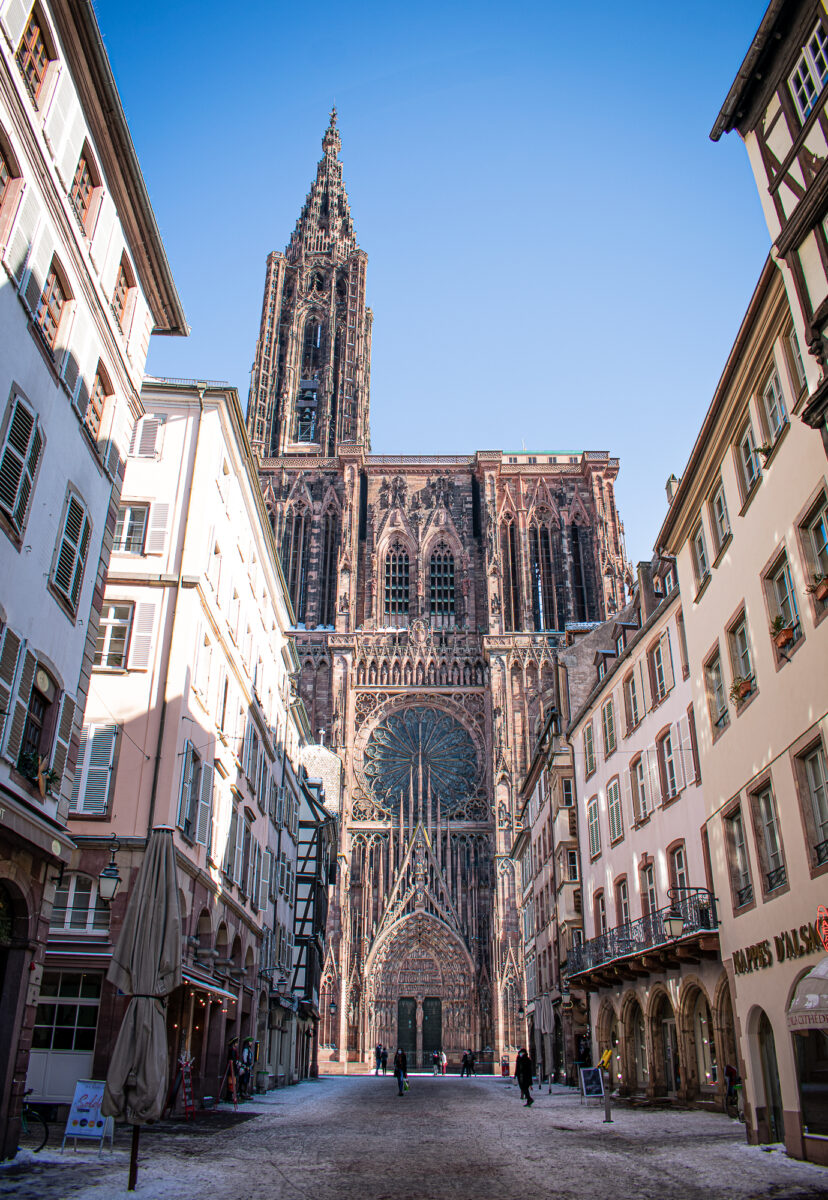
(377, 1058)
(384, 1059)
(523, 1075)
(246, 1068)
(443, 1061)
(472, 1061)
(233, 1067)
(401, 1069)
(435, 1062)
(464, 1064)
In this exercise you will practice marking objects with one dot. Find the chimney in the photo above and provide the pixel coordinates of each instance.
(671, 487)
(646, 593)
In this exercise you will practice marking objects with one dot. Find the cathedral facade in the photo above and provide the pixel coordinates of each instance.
(431, 595)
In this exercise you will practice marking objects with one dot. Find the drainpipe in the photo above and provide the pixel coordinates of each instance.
(201, 388)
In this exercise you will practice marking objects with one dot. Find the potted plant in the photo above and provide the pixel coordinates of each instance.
(36, 770)
(781, 632)
(740, 688)
(765, 451)
(819, 587)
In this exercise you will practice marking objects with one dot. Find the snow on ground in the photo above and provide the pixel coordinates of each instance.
(354, 1138)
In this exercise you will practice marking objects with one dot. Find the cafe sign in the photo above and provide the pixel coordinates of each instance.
(791, 943)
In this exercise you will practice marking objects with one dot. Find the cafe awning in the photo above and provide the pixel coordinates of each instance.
(206, 985)
(809, 1007)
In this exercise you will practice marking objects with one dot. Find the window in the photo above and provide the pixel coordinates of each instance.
(622, 902)
(592, 826)
(815, 530)
(147, 436)
(542, 574)
(589, 750)
(572, 866)
(716, 701)
(667, 766)
(39, 726)
(113, 636)
(6, 176)
(101, 390)
(567, 798)
(82, 191)
(94, 772)
(740, 656)
(441, 587)
(53, 301)
(71, 551)
(295, 555)
(796, 358)
(774, 407)
(783, 604)
(78, 908)
(748, 461)
(616, 819)
(808, 76)
(669, 581)
(608, 723)
(602, 669)
(738, 858)
(130, 529)
(33, 56)
(631, 704)
(638, 782)
(682, 642)
(661, 667)
(195, 802)
(121, 298)
(766, 822)
(816, 786)
(600, 914)
(678, 872)
(20, 454)
(719, 519)
(510, 562)
(66, 1017)
(700, 556)
(649, 899)
(397, 584)
(330, 550)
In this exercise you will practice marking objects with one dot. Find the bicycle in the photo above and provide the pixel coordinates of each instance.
(34, 1132)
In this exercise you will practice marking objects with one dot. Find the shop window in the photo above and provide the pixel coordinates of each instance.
(67, 1013)
(738, 861)
(78, 908)
(811, 1047)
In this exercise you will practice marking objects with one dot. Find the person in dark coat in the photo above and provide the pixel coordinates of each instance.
(523, 1075)
(384, 1059)
(464, 1064)
(400, 1069)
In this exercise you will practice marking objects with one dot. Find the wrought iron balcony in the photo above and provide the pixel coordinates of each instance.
(698, 910)
(744, 895)
(821, 849)
(776, 879)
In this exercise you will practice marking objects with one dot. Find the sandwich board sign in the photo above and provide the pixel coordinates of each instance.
(592, 1083)
(85, 1119)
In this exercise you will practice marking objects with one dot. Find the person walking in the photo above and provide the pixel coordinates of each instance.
(384, 1059)
(377, 1058)
(464, 1064)
(401, 1069)
(472, 1061)
(443, 1061)
(523, 1075)
(435, 1062)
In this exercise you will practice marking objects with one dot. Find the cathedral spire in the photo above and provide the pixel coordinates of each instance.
(325, 225)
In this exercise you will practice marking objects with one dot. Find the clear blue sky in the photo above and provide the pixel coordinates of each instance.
(558, 255)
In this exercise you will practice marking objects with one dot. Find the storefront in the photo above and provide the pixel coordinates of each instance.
(808, 1025)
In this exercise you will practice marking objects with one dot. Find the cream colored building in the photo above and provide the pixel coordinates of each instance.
(192, 722)
(748, 525)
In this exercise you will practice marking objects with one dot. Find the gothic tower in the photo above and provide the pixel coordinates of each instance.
(431, 595)
(310, 380)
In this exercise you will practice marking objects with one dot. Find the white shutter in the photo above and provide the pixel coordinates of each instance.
(138, 344)
(157, 533)
(62, 104)
(685, 752)
(68, 156)
(140, 648)
(20, 706)
(667, 661)
(204, 821)
(184, 787)
(644, 676)
(229, 848)
(19, 459)
(103, 233)
(282, 871)
(14, 19)
(78, 347)
(678, 755)
(93, 775)
(17, 252)
(63, 735)
(280, 806)
(39, 262)
(145, 440)
(246, 748)
(628, 795)
(9, 655)
(238, 851)
(80, 769)
(264, 880)
(654, 779)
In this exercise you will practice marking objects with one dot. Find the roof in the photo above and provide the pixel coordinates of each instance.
(731, 110)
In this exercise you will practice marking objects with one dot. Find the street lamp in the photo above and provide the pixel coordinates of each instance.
(674, 922)
(332, 1007)
(566, 996)
(109, 879)
(520, 1010)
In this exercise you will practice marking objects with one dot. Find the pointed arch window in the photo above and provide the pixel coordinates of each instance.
(397, 586)
(295, 556)
(510, 562)
(330, 546)
(441, 587)
(542, 574)
(312, 349)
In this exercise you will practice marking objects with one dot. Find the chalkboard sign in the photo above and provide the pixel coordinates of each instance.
(592, 1083)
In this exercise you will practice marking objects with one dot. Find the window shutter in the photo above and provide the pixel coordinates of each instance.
(20, 244)
(628, 795)
(204, 821)
(20, 706)
(80, 769)
(103, 233)
(54, 127)
(74, 544)
(184, 788)
(67, 156)
(238, 851)
(654, 779)
(157, 533)
(19, 460)
(139, 334)
(63, 735)
(644, 676)
(667, 661)
(9, 655)
(140, 649)
(77, 355)
(264, 880)
(92, 797)
(229, 848)
(246, 747)
(685, 751)
(14, 21)
(145, 437)
(280, 806)
(39, 262)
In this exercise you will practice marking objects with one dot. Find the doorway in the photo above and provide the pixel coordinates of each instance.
(669, 1041)
(770, 1077)
(432, 1027)
(407, 1025)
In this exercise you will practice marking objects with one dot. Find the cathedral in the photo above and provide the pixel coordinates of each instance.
(431, 595)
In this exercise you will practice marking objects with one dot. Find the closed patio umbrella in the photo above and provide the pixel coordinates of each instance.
(146, 965)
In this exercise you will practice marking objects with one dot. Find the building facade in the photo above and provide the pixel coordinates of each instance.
(748, 525)
(85, 281)
(192, 723)
(430, 593)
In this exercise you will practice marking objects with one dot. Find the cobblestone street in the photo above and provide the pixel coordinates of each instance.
(355, 1139)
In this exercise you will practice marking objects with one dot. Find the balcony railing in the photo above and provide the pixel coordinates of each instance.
(821, 849)
(696, 905)
(776, 879)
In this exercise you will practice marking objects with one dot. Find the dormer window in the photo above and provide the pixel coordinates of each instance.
(619, 644)
(811, 72)
(602, 669)
(669, 581)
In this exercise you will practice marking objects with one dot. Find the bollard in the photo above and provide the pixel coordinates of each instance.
(607, 1115)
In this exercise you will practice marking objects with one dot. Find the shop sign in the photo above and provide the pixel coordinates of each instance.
(791, 943)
